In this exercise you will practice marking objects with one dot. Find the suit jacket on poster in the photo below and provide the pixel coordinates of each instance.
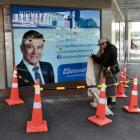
(24, 74)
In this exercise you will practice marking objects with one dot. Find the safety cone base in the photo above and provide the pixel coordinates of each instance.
(14, 102)
(121, 96)
(133, 110)
(31, 128)
(100, 122)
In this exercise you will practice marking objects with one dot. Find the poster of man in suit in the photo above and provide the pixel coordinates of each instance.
(67, 36)
(31, 68)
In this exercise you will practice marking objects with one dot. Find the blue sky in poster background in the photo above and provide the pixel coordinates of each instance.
(91, 14)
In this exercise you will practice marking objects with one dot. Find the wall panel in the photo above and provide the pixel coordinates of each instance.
(66, 3)
(2, 68)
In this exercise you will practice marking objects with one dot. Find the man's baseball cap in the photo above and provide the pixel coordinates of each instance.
(102, 40)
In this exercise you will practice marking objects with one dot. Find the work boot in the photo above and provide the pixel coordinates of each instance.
(111, 103)
(112, 106)
(109, 100)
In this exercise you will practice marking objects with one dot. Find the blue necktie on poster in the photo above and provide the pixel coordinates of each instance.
(37, 74)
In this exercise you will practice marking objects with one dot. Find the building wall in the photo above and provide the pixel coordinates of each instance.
(106, 29)
(65, 3)
(2, 68)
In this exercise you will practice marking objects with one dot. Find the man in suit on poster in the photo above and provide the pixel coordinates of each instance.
(31, 68)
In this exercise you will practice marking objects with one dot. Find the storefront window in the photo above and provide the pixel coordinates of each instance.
(122, 39)
(118, 38)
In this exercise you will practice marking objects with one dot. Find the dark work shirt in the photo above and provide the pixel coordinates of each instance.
(108, 57)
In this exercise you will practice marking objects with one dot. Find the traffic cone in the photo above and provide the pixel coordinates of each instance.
(133, 102)
(124, 73)
(100, 118)
(120, 88)
(14, 97)
(37, 124)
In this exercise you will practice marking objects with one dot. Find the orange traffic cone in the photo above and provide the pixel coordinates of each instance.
(133, 102)
(120, 88)
(124, 73)
(100, 118)
(14, 97)
(37, 124)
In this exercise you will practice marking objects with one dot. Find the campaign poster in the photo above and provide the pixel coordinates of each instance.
(71, 35)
